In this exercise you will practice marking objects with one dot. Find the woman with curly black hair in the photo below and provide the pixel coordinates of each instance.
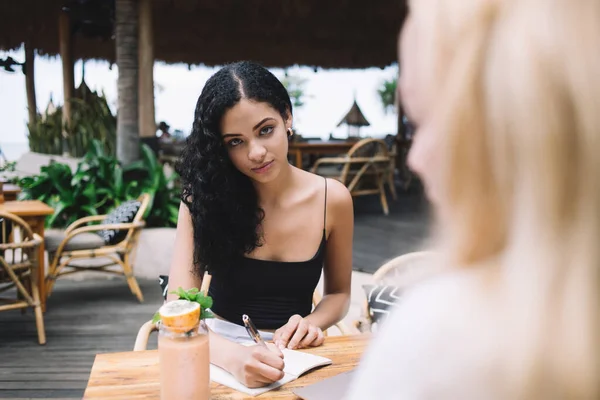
(262, 228)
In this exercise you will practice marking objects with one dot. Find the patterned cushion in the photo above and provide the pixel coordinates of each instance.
(380, 298)
(125, 213)
(163, 281)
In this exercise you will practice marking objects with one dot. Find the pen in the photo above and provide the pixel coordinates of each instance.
(252, 331)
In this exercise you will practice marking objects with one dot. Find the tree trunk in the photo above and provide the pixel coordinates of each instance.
(30, 83)
(126, 27)
(66, 56)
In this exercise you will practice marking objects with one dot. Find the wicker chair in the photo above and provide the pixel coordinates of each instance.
(403, 271)
(364, 169)
(80, 242)
(19, 268)
(390, 140)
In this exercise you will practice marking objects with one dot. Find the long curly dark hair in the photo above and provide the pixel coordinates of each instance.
(222, 201)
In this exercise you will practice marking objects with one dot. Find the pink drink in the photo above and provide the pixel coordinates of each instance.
(184, 364)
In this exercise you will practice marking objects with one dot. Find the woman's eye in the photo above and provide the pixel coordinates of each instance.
(266, 130)
(234, 142)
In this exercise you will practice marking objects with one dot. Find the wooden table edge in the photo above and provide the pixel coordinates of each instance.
(363, 337)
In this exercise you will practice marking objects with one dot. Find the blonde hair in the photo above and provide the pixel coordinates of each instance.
(520, 96)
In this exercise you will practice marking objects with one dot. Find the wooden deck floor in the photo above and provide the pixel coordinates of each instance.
(95, 316)
(378, 238)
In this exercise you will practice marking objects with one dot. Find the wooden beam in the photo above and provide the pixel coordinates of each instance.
(30, 82)
(65, 41)
(146, 71)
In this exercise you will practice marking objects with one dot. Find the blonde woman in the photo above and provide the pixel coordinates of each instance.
(505, 96)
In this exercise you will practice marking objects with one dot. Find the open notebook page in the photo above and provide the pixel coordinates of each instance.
(296, 364)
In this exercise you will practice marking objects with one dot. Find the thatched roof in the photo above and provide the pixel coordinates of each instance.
(354, 117)
(329, 34)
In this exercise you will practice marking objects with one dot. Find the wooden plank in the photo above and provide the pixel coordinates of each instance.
(136, 374)
(26, 394)
(33, 385)
(38, 370)
(27, 208)
(43, 376)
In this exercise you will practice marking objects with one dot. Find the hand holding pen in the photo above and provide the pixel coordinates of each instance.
(256, 366)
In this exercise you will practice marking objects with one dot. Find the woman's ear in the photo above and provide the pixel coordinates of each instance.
(288, 120)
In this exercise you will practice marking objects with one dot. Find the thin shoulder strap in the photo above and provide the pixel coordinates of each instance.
(325, 208)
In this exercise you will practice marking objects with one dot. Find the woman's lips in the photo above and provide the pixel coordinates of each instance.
(263, 168)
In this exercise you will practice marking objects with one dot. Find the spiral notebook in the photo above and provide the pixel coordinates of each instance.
(297, 363)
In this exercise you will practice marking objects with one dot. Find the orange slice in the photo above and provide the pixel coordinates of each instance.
(180, 315)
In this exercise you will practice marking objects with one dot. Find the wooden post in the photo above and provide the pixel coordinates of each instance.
(127, 46)
(146, 70)
(64, 32)
(30, 83)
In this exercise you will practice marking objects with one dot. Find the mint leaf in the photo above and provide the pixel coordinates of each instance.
(205, 301)
(179, 292)
(156, 317)
(193, 291)
(204, 314)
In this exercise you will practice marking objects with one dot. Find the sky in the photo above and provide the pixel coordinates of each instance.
(330, 94)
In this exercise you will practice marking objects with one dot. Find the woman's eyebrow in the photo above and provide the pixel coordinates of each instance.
(262, 122)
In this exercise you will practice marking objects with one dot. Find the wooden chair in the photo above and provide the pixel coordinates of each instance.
(402, 272)
(392, 145)
(19, 268)
(80, 241)
(141, 340)
(363, 170)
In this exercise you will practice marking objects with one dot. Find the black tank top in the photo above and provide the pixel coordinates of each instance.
(270, 292)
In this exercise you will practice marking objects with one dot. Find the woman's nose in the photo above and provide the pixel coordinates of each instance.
(257, 152)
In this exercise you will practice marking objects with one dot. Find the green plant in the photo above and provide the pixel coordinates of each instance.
(45, 134)
(54, 187)
(295, 87)
(387, 94)
(8, 166)
(99, 184)
(164, 203)
(91, 119)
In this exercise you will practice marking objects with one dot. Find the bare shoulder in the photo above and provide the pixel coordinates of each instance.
(339, 200)
(338, 195)
(340, 208)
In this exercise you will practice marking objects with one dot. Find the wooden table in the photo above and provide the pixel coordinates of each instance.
(318, 148)
(135, 375)
(34, 212)
(10, 191)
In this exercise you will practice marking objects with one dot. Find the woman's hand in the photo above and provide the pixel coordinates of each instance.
(298, 333)
(256, 366)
